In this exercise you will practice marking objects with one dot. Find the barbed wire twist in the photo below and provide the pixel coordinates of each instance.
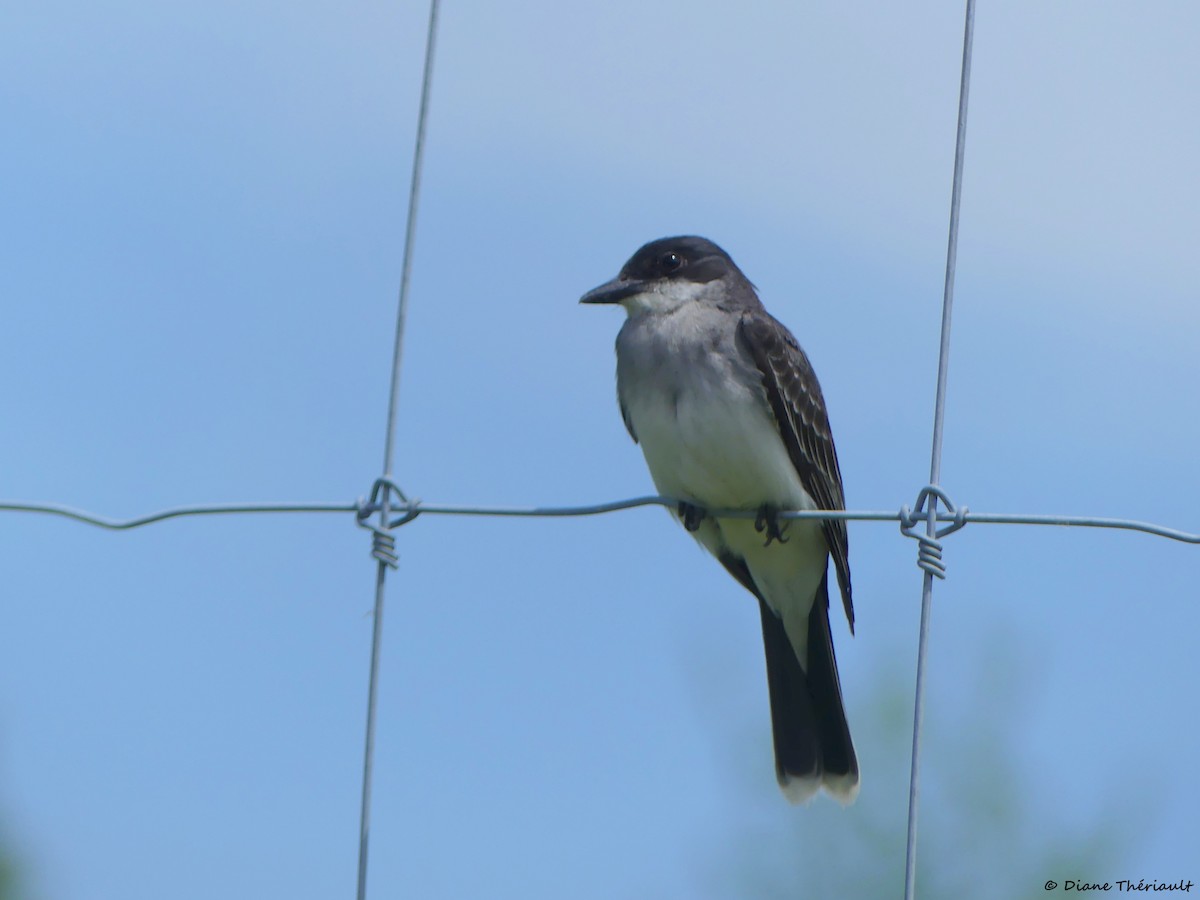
(929, 557)
(383, 542)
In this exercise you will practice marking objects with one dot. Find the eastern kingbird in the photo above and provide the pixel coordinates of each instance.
(729, 415)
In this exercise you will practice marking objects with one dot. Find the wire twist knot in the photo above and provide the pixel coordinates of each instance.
(383, 542)
(929, 554)
(383, 547)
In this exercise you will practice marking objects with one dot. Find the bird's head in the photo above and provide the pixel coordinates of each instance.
(669, 273)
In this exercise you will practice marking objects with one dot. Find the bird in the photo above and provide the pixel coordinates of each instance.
(729, 415)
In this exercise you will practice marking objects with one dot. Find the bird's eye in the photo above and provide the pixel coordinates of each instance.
(670, 261)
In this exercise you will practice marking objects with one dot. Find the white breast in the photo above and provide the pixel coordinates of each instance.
(701, 415)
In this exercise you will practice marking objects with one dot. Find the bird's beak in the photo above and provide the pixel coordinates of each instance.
(613, 291)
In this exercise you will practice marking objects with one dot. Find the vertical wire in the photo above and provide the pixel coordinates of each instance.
(935, 466)
(364, 831)
(364, 823)
(410, 230)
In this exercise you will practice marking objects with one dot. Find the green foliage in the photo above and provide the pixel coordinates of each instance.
(8, 878)
(984, 833)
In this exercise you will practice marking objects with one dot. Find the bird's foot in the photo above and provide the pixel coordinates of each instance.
(768, 520)
(691, 516)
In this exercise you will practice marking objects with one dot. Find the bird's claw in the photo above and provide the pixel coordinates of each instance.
(767, 520)
(690, 515)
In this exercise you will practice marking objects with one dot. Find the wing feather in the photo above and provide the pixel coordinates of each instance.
(794, 396)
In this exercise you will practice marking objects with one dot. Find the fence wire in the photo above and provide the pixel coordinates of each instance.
(392, 508)
(384, 546)
(362, 510)
(931, 551)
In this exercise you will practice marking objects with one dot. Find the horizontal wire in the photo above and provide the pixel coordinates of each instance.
(435, 509)
(549, 512)
(179, 512)
(1083, 522)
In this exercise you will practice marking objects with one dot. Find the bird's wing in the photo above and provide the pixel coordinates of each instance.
(795, 398)
(625, 417)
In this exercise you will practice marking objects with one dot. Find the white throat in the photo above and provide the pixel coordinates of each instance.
(664, 297)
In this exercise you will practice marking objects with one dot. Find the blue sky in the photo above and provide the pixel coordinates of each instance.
(199, 252)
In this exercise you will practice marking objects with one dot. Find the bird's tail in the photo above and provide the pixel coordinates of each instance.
(813, 747)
